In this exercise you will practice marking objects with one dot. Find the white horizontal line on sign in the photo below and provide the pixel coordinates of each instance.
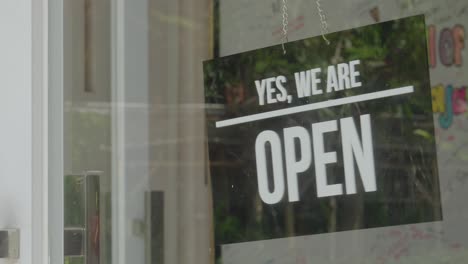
(315, 106)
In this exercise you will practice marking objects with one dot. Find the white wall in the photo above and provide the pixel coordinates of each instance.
(16, 121)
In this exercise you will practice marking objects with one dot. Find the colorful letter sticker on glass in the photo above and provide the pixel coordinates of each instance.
(325, 138)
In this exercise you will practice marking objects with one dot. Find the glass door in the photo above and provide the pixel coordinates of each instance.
(137, 172)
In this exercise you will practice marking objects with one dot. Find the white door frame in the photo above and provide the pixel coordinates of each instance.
(55, 125)
(39, 86)
(118, 70)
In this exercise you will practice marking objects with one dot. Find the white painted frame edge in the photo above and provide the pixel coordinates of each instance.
(55, 56)
(118, 131)
(39, 101)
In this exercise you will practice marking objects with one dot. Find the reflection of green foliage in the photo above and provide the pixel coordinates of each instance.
(425, 134)
(229, 227)
(74, 260)
(90, 133)
(74, 201)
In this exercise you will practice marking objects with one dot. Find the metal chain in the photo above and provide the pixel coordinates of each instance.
(285, 25)
(323, 21)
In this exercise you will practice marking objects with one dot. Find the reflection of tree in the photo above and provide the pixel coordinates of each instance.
(392, 55)
(88, 147)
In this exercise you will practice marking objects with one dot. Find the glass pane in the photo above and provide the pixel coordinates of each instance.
(74, 200)
(149, 178)
(87, 131)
